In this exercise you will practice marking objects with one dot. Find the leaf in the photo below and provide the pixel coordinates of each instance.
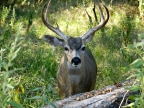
(141, 36)
(132, 97)
(45, 99)
(14, 104)
(52, 104)
(36, 89)
(16, 96)
(22, 88)
(129, 105)
(9, 86)
(134, 88)
(136, 45)
(139, 44)
(137, 63)
(133, 75)
(2, 63)
(5, 100)
(136, 102)
(14, 70)
(35, 97)
(15, 53)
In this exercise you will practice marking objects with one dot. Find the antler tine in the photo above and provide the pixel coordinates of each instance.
(101, 12)
(46, 22)
(91, 31)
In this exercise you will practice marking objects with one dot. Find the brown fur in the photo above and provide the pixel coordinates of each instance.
(85, 76)
(77, 70)
(73, 80)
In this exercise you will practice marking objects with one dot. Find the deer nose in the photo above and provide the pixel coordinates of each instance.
(76, 61)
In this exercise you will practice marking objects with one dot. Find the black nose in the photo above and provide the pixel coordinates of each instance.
(76, 61)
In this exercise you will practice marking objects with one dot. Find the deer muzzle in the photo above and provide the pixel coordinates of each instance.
(76, 61)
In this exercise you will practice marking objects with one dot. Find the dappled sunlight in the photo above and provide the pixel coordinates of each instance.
(36, 62)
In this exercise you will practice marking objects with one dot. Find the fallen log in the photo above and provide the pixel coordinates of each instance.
(108, 97)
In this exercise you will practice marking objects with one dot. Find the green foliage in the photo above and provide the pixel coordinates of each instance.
(141, 7)
(8, 82)
(137, 68)
(28, 65)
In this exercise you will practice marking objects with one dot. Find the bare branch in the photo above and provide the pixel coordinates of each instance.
(103, 22)
(90, 19)
(96, 19)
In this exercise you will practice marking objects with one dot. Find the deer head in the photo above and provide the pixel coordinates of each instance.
(77, 60)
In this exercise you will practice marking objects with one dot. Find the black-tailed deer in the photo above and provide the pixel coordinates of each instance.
(77, 70)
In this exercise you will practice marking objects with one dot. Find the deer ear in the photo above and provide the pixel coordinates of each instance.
(54, 40)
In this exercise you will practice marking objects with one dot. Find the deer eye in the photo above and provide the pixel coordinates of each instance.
(66, 49)
(83, 48)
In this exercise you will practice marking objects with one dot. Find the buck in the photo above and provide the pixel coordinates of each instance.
(77, 70)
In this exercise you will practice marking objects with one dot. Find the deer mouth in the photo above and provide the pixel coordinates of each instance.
(76, 65)
(73, 65)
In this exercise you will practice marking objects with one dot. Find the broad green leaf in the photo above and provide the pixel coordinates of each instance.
(136, 102)
(2, 63)
(5, 100)
(136, 45)
(132, 97)
(9, 86)
(137, 63)
(139, 44)
(141, 36)
(16, 96)
(36, 89)
(22, 88)
(14, 104)
(14, 70)
(15, 53)
(52, 104)
(45, 99)
(35, 97)
(129, 105)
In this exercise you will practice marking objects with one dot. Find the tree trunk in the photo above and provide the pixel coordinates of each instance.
(108, 97)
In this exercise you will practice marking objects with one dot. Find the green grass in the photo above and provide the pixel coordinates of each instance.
(33, 80)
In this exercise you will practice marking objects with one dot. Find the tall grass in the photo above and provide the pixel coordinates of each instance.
(9, 78)
(33, 63)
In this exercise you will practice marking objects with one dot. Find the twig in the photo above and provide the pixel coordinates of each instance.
(123, 98)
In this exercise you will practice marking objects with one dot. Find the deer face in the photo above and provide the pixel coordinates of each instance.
(74, 49)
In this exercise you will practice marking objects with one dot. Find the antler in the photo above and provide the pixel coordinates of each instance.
(91, 31)
(46, 22)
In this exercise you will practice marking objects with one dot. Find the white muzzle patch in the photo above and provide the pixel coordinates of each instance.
(73, 66)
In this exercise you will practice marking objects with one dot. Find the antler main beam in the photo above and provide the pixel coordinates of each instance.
(91, 31)
(46, 22)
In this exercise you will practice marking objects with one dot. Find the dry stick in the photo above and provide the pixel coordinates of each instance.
(123, 98)
(125, 95)
(90, 19)
(96, 19)
(94, 12)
